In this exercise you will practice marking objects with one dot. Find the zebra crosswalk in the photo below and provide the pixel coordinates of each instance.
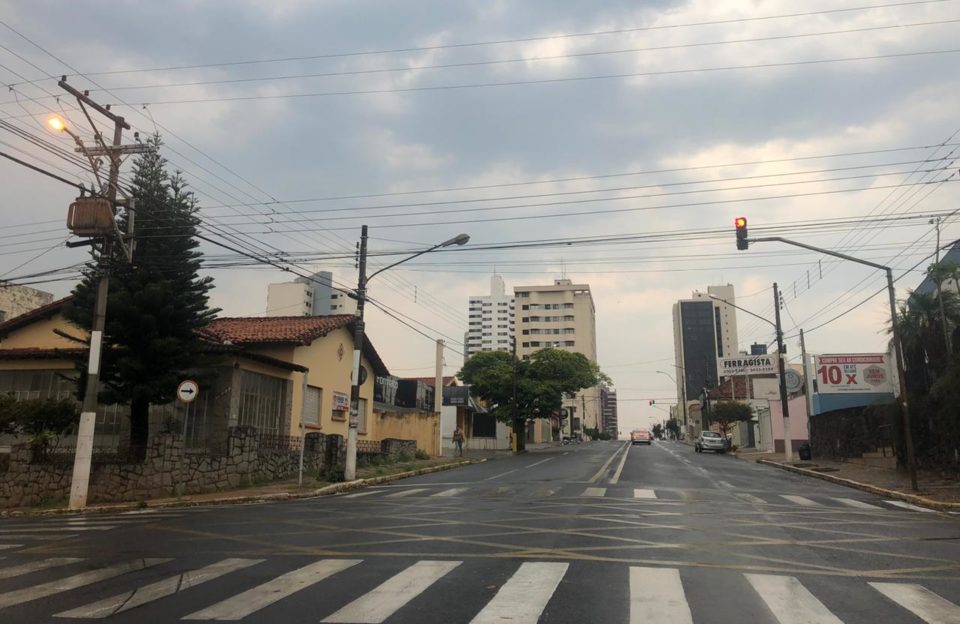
(523, 596)
(20, 533)
(668, 495)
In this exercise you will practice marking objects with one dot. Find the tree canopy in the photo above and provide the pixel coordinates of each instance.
(727, 413)
(541, 382)
(156, 303)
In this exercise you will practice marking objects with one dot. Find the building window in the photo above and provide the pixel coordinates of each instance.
(523, 294)
(569, 317)
(525, 307)
(569, 343)
(526, 344)
(262, 402)
(568, 306)
(526, 332)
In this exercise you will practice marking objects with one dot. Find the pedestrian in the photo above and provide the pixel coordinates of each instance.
(458, 440)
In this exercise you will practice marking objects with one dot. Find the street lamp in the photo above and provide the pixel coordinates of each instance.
(683, 389)
(784, 400)
(350, 464)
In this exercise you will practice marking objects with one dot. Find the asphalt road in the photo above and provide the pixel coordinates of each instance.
(599, 532)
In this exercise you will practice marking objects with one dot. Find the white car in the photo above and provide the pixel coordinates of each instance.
(710, 441)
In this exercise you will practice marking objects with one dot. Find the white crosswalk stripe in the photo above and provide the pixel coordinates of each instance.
(380, 603)
(403, 493)
(9, 546)
(53, 529)
(450, 492)
(252, 600)
(161, 589)
(43, 590)
(594, 491)
(523, 598)
(640, 493)
(750, 498)
(800, 500)
(37, 536)
(36, 566)
(790, 602)
(364, 493)
(656, 595)
(852, 502)
(904, 505)
(926, 605)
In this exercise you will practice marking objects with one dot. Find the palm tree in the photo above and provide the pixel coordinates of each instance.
(939, 273)
(919, 324)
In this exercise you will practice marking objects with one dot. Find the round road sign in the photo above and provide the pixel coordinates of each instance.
(188, 390)
(793, 380)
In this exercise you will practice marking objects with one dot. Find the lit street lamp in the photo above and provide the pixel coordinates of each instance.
(350, 464)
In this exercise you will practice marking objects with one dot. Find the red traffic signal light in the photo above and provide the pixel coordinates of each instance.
(741, 225)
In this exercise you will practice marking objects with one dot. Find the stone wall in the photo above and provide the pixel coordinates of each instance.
(166, 471)
(17, 300)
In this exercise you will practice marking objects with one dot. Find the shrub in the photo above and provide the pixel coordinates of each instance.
(405, 456)
(421, 454)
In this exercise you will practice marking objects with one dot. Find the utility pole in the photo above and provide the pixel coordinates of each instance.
(80, 480)
(807, 385)
(518, 442)
(781, 364)
(350, 464)
(438, 398)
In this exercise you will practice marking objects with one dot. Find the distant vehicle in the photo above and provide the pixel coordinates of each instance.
(640, 436)
(710, 441)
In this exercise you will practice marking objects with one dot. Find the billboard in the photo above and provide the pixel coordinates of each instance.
(747, 365)
(853, 373)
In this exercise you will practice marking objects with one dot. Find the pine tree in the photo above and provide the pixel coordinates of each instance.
(156, 303)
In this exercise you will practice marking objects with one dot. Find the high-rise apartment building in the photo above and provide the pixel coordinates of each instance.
(561, 316)
(704, 328)
(308, 296)
(608, 411)
(490, 321)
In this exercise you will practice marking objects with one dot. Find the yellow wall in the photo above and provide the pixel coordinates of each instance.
(419, 426)
(39, 335)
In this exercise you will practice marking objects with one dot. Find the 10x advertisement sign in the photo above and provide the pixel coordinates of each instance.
(853, 373)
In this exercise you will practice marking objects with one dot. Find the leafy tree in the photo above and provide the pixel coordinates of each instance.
(727, 413)
(42, 421)
(673, 427)
(657, 431)
(541, 382)
(156, 303)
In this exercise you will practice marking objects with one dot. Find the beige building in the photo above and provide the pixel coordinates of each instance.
(308, 296)
(561, 316)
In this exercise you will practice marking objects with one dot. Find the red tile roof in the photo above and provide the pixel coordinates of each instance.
(296, 330)
(41, 354)
(36, 314)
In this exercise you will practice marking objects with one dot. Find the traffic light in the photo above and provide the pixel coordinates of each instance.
(741, 223)
(652, 402)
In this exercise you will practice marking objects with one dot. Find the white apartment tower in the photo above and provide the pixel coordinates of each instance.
(560, 316)
(308, 296)
(490, 321)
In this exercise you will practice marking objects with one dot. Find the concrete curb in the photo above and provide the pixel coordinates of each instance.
(914, 499)
(328, 490)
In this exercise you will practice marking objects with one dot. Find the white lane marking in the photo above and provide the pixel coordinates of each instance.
(726, 484)
(641, 493)
(790, 602)
(450, 492)
(905, 505)
(54, 529)
(656, 595)
(383, 601)
(542, 461)
(359, 494)
(502, 474)
(252, 600)
(523, 598)
(750, 498)
(606, 464)
(43, 590)
(403, 493)
(567, 453)
(594, 491)
(852, 502)
(616, 475)
(161, 589)
(8, 546)
(926, 605)
(800, 500)
(36, 566)
(35, 536)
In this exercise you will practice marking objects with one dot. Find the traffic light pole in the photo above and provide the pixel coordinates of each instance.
(898, 348)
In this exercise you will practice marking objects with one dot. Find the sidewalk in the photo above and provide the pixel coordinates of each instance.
(934, 491)
(287, 489)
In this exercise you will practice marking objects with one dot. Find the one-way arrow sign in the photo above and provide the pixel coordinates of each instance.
(188, 390)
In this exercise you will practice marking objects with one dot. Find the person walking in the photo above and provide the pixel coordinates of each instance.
(458, 440)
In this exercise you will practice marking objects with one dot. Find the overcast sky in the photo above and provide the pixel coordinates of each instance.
(826, 115)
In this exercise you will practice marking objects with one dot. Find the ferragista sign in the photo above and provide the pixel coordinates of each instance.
(747, 365)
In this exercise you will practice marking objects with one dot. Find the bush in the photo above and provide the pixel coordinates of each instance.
(334, 474)
(421, 454)
(41, 420)
(405, 456)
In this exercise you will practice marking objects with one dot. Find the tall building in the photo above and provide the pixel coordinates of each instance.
(490, 321)
(561, 316)
(308, 296)
(608, 411)
(704, 328)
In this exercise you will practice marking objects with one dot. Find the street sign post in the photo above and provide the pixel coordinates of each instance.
(188, 390)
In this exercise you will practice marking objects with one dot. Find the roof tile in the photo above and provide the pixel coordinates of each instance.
(298, 330)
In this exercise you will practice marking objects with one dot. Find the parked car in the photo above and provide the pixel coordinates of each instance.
(640, 436)
(710, 441)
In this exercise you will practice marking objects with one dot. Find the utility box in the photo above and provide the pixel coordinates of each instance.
(91, 216)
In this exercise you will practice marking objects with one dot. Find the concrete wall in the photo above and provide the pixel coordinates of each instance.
(17, 300)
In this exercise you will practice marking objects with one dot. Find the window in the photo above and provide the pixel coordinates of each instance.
(521, 294)
(534, 319)
(37, 384)
(502, 334)
(569, 343)
(525, 307)
(568, 306)
(525, 319)
(569, 330)
(569, 317)
(262, 402)
(526, 332)
(526, 344)
(311, 406)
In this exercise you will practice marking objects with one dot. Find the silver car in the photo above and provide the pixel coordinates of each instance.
(710, 441)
